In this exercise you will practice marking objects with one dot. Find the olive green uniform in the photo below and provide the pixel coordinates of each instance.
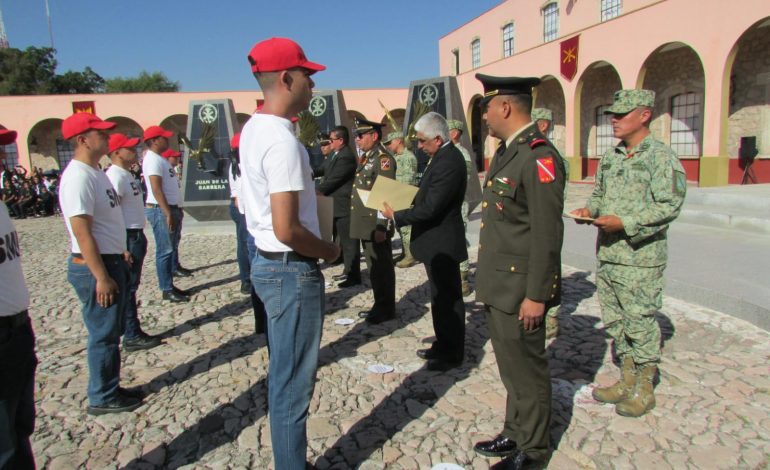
(406, 172)
(364, 222)
(645, 187)
(520, 256)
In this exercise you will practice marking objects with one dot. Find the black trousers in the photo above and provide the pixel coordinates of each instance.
(350, 247)
(379, 259)
(523, 365)
(17, 404)
(447, 307)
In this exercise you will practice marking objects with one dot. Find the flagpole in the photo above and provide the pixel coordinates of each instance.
(48, 16)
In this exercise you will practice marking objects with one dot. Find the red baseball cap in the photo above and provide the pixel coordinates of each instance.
(274, 54)
(119, 141)
(82, 122)
(235, 142)
(171, 153)
(7, 137)
(156, 131)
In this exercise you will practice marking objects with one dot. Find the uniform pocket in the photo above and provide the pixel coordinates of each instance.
(511, 263)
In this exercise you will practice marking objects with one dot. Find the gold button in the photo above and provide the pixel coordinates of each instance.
(489, 184)
(556, 276)
(553, 295)
(484, 204)
(482, 225)
(351, 207)
(479, 246)
(501, 193)
(513, 268)
(554, 286)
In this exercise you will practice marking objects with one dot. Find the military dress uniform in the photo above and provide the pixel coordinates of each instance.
(519, 257)
(364, 222)
(645, 187)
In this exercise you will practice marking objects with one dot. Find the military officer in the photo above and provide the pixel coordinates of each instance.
(519, 266)
(456, 128)
(406, 172)
(371, 227)
(640, 188)
(543, 118)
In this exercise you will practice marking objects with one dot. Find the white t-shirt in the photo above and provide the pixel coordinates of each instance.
(87, 190)
(235, 189)
(155, 165)
(130, 193)
(15, 296)
(274, 161)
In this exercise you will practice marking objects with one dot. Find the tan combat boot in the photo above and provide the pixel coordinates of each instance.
(643, 398)
(466, 286)
(623, 388)
(407, 262)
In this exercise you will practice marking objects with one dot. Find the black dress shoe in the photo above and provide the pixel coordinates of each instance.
(180, 273)
(350, 282)
(182, 292)
(518, 461)
(500, 446)
(376, 317)
(246, 288)
(184, 271)
(428, 353)
(339, 277)
(443, 365)
(172, 296)
(120, 404)
(133, 392)
(141, 342)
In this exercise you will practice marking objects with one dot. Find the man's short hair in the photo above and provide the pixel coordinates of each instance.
(522, 103)
(342, 133)
(266, 80)
(433, 125)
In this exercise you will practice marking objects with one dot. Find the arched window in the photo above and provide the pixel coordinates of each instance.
(476, 53)
(508, 40)
(686, 123)
(64, 152)
(550, 22)
(605, 138)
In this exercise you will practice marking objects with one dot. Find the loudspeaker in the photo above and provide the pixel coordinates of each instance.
(748, 149)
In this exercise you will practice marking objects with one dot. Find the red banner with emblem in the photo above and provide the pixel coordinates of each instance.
(84, 107)
(568, 60)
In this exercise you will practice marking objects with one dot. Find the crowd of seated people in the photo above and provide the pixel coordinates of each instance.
(29, 194)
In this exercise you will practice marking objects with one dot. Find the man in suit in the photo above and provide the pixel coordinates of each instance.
(371, 227)
(438, 238)
(518, 275)
(338, 172)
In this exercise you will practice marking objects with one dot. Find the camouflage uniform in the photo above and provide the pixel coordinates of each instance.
(406, 172)
(455, 124)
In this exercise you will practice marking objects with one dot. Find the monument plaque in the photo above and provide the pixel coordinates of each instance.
(205, 188)
(328, 109)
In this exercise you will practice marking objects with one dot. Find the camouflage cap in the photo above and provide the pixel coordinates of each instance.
(542, 113)
(627, 100)
(392, 136)
(455, 124)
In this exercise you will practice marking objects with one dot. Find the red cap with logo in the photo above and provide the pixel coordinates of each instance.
(83, 122)
(169, 153)
(119, 141)
(235, 142)
(275, 54)
(156, 131)
(7, 137)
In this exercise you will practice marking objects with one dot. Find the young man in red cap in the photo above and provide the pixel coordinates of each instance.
(280, 200)
(163, 212)
(17, 349)
(129, 190)
(98, 268)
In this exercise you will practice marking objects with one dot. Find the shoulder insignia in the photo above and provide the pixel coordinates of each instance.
(521, 140)
(546, 170)
(535, 142)
(385, 163)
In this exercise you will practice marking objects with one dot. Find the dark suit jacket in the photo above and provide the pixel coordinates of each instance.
(338, 171)
(437, 224)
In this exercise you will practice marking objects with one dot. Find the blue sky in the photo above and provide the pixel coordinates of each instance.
(203, 44)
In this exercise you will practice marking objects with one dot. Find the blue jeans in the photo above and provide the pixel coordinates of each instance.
(104, 327)
(17, 401)
(293, 294)
(166, 245)
(137, 246)
(241, 247)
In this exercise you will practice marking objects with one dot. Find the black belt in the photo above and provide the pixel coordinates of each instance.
(134, 230)
(290, 256)
(104, 257)
(14, 321)
(153, 206)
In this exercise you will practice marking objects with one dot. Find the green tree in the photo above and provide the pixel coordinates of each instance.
(144, 83)
(27, 72)
(85, 82)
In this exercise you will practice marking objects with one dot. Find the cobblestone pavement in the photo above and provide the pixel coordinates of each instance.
(207, 382)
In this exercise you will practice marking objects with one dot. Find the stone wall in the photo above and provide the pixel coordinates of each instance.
(750, 93)
(599, 85)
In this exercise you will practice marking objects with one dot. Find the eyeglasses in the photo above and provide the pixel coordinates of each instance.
(332, 139)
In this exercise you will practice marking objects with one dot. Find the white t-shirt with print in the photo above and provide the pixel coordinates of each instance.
(155, 165)
(15, 296)
(86, 190)
(274, 161)
(130, 193)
